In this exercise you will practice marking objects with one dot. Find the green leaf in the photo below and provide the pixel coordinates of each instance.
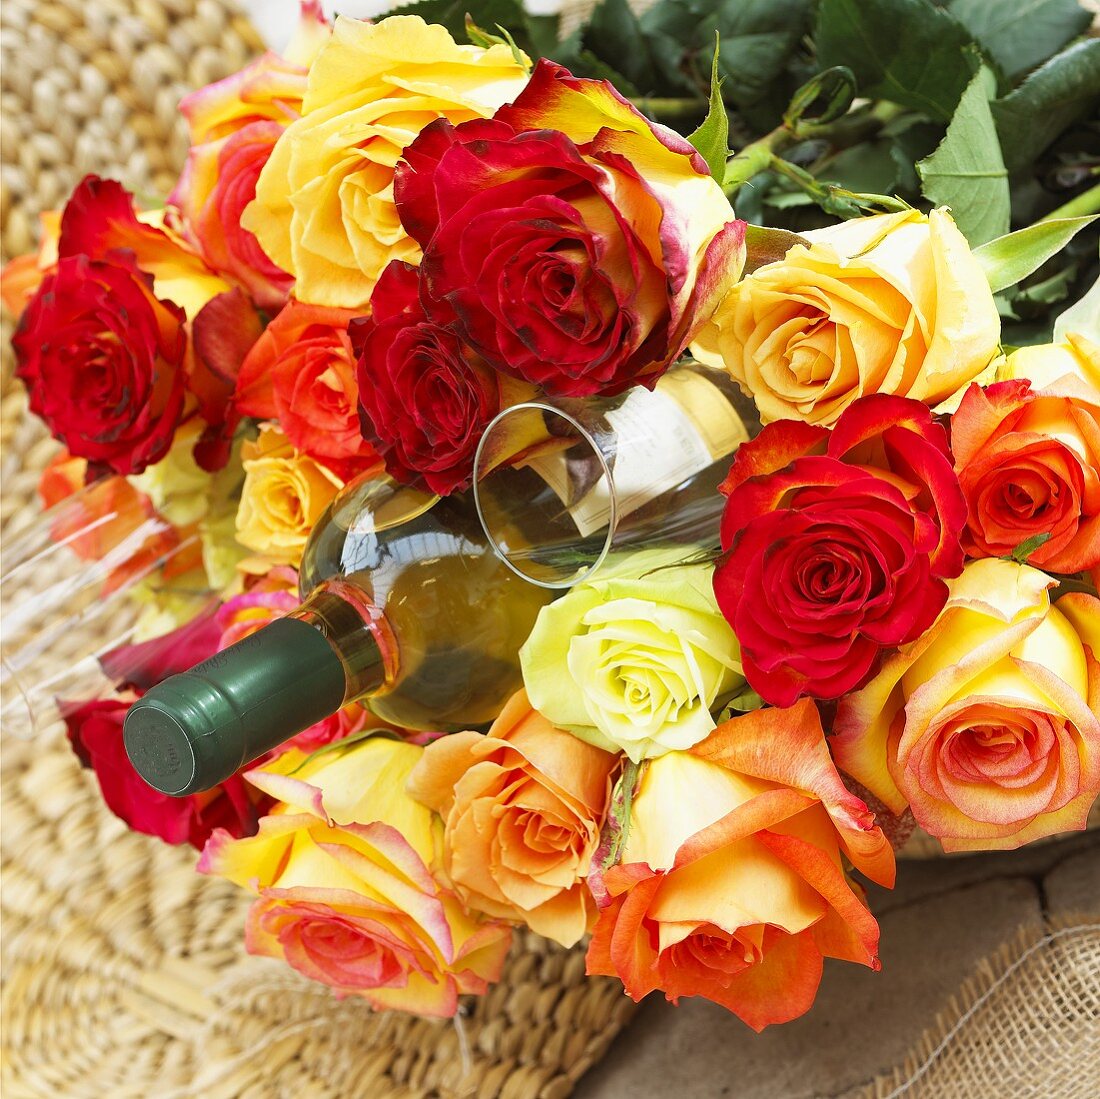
(758, 38)
(452, 13)
(1027, 547)
(614, 35)
(1047, 102)
(712, 137)
(1021, 35)
(907, 51)
(1083, 318)
(1008, 259)
(765, 245)
(485, 39)
(967, 171)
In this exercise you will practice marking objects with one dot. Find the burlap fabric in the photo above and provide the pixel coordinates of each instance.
(123, 970)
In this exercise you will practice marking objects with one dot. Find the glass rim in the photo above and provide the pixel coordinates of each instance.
(586, 435)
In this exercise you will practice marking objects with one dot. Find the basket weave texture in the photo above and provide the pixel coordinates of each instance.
(124, 970)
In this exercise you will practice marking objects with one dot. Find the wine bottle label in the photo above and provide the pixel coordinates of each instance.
(662, 438)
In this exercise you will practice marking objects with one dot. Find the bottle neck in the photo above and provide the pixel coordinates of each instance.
(359, 635)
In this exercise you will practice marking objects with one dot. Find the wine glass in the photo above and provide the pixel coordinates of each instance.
(561, 483)
(76, 619)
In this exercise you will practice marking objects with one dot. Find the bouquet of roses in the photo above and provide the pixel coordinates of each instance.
(383, 239)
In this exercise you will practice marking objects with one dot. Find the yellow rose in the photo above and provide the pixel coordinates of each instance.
(987, 727)
(1045, 363)
(284, 494)
(324, 208)
(889, 304)
(342, 869)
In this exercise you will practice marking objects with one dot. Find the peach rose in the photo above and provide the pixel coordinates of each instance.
(324, 208)
(987, 726)
(284, 494)
(732, 883)
(217, 183)
(522, 809)
(342, 869)
(889, 304)
(1028, 459)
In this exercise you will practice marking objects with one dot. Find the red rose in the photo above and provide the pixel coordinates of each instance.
(837, 545)
(217, 183)
(301, 371)
(1029, 464)
(95, 732)
(101, 356)
(550, 253)
(424, 398)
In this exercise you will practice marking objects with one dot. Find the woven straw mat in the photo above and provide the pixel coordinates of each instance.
(124, 972)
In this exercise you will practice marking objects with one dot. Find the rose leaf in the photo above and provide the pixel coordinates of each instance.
(909, 52)
(967, 171)
(1050, 99)
(1008, 259)
(711, 139)
(999, 27)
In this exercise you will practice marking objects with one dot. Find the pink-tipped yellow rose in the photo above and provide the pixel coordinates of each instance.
(732, 884)
(324, 207)
(522, 809)
(987, 727)
(342, 869)
(889, 304)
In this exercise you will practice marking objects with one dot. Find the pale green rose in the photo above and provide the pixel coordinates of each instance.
(634, 663)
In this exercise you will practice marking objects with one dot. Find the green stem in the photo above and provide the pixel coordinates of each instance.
(755, 158)
(855, 127)
(671, 107)
(1088, 202)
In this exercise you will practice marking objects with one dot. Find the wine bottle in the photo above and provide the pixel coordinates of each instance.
(405, 605)
(418, 605)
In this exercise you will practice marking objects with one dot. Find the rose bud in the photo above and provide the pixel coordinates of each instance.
(1028, 460)
(732, 883)
(102, 358)
(522, 808)
(424, 398)
(301, 372)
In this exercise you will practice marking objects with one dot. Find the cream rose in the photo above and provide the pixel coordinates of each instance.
(889, 304)
(634, 664)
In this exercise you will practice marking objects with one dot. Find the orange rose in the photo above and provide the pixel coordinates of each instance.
(1028, 461)
(732, 884)
(987, 727)
(234, 124)
(342, 869)
(301, 371)
(522, 808)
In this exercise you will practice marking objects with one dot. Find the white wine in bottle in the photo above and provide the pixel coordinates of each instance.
(405, 605)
